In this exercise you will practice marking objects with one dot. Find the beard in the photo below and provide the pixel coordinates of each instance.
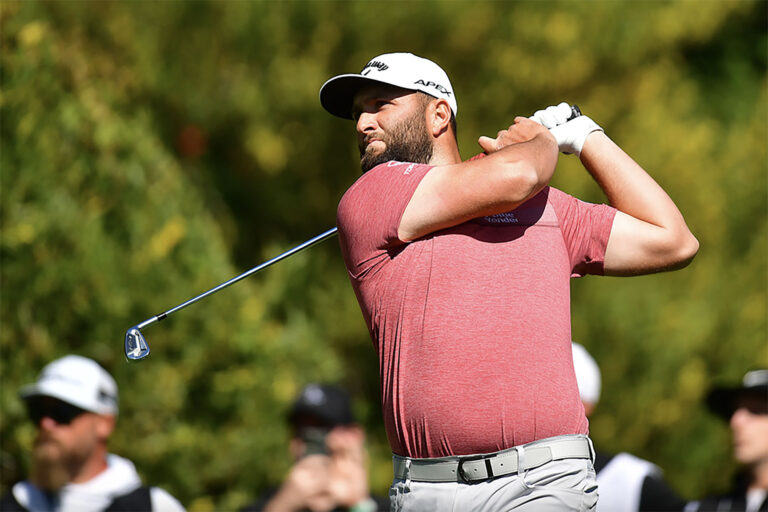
(408, 142)
(56, 463)
(50, 470)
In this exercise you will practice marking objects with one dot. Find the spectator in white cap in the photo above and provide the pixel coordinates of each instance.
(74, 405)
(627, 483)
(745, 408)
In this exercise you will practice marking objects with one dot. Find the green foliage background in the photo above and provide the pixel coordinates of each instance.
(151, 150)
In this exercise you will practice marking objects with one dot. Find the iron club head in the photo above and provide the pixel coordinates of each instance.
(136, 347)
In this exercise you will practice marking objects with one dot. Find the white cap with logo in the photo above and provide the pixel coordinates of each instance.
(78, 381)
(404, 70)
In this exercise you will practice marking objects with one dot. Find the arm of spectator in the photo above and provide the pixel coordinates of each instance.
(305, 485)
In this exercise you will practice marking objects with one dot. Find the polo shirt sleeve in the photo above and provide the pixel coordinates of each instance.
(586, 228)
(369, 215)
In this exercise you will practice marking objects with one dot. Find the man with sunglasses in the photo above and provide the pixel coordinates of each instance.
(745, 407)
(74, 404)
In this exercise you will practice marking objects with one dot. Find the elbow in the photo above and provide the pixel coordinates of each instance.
(683, 250)
(690, 249)
(528, 182)
(524, 181)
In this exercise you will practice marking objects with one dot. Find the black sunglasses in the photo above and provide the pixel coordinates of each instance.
(47, 407)
(756, 402)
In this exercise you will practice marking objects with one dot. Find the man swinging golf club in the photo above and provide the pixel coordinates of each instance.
(462, 273)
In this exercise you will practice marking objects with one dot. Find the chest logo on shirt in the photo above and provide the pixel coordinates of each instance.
(502, 218)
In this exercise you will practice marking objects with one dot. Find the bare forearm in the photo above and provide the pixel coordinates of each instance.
(667, 243)
(628, 187)
(530, 165)
(284, 501)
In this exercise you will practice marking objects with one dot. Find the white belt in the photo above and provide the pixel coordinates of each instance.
(476, 468)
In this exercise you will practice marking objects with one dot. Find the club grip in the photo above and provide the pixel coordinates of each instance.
(575, 112)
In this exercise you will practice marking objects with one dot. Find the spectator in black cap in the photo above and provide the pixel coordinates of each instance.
(745, 407)
(329, 472)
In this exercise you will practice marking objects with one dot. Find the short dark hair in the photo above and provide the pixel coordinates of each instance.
(425, 99)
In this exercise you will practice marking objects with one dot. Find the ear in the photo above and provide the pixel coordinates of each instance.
(438, 116)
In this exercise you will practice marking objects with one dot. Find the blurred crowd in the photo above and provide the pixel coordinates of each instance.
(74, 407)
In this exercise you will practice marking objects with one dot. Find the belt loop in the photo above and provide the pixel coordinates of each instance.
(408, 473)
(520, 459)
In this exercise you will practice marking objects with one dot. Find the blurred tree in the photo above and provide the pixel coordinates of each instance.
(152, 150)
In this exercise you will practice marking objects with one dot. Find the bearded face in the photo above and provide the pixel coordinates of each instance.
(407, 141)
(49, 464)
(67, 443)
(59, 453)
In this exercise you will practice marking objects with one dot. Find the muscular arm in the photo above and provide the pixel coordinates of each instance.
(520, 163)
(649, 233)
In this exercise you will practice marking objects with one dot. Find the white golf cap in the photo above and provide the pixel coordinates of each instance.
(587, 374)
(78, 381)
(404, 70)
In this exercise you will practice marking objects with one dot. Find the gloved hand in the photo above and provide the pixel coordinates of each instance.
(570, 135)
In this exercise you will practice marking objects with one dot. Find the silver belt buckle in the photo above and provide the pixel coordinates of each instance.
(467, 479)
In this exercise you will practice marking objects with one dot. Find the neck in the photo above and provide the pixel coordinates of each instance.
(759, 475)
(93, 466)
(445, 153)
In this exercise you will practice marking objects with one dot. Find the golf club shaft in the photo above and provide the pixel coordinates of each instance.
(136, 347)
(300, 247)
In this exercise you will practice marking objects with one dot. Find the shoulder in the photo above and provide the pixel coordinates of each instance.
(638, 464)
(8, 503)
(718, 503)
(389, 171)
(23, 496)
(163, 501)
(385, 186)
(563, 201)
(155, 499)
(734, 499)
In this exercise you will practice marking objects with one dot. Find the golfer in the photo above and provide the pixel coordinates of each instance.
(462, 273)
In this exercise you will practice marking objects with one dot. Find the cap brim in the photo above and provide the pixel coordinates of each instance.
(58, 392)
(324, 416)
(722, 401)
(338, 93)
(34, 390)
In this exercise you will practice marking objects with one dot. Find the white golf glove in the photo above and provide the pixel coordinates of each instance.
(570, 135)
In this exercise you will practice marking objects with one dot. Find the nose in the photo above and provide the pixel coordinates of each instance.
(46, 423)
(739, 416)
(366, 122)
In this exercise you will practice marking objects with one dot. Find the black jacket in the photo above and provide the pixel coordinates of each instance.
(733, 501)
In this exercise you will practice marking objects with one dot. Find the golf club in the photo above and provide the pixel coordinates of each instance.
(136, 347)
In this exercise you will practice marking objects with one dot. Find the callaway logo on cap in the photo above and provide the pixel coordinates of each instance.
(404, 70)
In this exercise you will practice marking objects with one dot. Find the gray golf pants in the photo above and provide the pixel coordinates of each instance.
(558, 485)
